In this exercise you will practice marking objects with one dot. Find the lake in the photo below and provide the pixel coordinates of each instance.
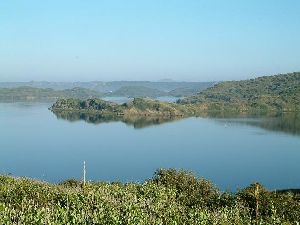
(231, 152)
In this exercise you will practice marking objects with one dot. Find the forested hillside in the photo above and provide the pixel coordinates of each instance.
(279, 92)
(112, 86)
(135, 107)
(137, 91)
(47, 94)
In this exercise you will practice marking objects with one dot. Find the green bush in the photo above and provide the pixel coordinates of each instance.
(190, 190)
(170, 197)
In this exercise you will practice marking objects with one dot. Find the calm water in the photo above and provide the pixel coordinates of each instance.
(231, 152)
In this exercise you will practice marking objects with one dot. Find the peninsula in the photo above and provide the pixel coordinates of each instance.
(278, 93)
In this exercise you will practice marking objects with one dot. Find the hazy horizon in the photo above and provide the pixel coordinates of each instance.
(105, 81)
(145, 80)
(68, 41)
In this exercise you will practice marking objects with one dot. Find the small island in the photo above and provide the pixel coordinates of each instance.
(136, 107)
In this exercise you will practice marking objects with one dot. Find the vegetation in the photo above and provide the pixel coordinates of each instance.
(170, 197)
(136, 107)
(278, 93)
(269, 93)
(187, 91)
(39, 94)
(137, 91)
(262, 95)
(119, 88)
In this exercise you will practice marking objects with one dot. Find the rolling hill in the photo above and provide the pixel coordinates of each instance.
(279, 92)
(137, 91)
(44, 94)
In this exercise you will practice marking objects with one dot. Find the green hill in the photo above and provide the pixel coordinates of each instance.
(189, 91)
(183, 92)
(112, 86)
(279, 92)
(136, 107)
(44, 94)
(138, 91)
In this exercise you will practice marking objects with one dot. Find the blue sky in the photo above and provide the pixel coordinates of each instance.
(192, 40)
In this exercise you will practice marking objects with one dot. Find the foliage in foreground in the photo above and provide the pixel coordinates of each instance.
(170, 197)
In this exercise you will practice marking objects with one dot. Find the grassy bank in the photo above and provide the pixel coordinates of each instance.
(170, 197)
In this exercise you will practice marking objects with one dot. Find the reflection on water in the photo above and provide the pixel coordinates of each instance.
(288, 123)
(227, 149)
(284, 122)
(135, 121)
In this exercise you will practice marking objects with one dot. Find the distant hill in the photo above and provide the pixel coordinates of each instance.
(278, 92)
(138, 91)
(186, 91)
(166, 80)
(44, 94)
(267, 94)
(108, 87)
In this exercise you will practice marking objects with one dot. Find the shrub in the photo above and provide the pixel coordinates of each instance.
(190, 190)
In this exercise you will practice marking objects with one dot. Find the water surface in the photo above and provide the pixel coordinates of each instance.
(232, 152)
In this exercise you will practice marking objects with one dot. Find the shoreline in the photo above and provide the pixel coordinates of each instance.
(77, 183)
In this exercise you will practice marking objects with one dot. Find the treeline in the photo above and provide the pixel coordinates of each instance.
(279, 93)
(170, 197)
(41, 94)
(135, 107)
(112, 86)
(44, 94)
(10, 92)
